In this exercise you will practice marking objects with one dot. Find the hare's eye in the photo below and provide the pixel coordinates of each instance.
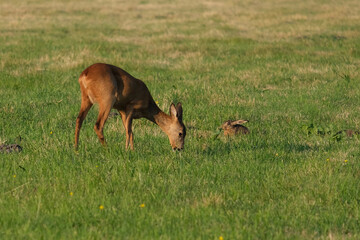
(180, 134)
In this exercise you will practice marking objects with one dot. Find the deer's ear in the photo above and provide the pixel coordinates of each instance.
(172, 110)
(179, 111)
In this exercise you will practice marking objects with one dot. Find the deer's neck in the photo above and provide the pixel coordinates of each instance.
(160, 118)
(163, 120)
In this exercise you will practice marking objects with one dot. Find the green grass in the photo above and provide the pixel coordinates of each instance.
(281, 64)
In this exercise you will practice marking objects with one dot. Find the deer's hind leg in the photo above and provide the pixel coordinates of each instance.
(105, 107)
(86, 104)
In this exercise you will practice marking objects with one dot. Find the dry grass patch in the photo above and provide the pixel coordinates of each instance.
(212, 199)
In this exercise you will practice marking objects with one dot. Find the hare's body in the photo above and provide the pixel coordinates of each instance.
(234, 127)
(111, 87)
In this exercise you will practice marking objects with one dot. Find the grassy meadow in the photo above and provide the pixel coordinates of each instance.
(290, 67)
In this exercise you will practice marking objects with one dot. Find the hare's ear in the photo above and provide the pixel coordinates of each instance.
(179, 111)
(239, 122)
(172, 110)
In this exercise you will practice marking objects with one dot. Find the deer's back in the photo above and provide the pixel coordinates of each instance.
(104, 81)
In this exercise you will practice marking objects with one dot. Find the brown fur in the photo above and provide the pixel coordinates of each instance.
(234, 127)
(349, 132)
(112, 87)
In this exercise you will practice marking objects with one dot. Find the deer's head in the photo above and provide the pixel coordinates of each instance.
(176, 130)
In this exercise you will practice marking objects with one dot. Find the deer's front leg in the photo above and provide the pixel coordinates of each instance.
(128, 130)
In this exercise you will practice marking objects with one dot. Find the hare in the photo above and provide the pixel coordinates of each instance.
(10, 148)
(234, 127)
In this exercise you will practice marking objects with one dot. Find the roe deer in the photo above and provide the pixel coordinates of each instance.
(234, 127)
(112, 87)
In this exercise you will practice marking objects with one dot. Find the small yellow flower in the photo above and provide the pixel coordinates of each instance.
(97, 166)
(71, 193)
(101, 207)
(157, 102)
(276, 154)
(328, 159)
(51, 132)
(346, 161)
(14, 176)
(221, 238)
(142, 205)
